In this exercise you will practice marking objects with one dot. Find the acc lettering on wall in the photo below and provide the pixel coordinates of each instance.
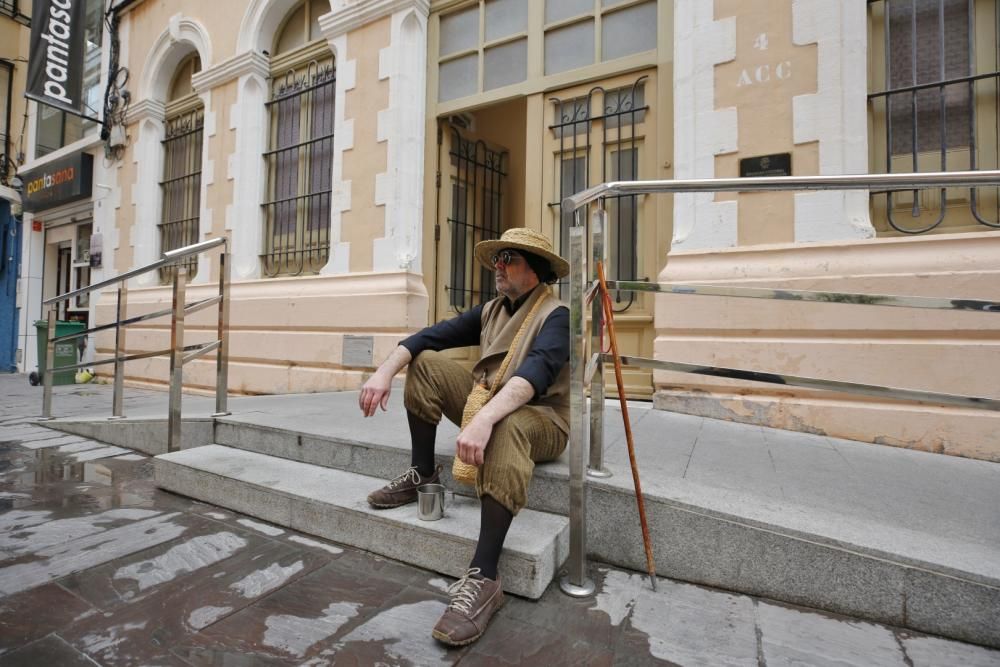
(766, 72)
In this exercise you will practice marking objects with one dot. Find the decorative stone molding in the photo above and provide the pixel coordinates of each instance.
(144, 109)
(701, 131)
(244, 64)
(346, 15)
(343, 139)
(400, 187)
(835, 116)
(205, 212)
(146, 197)
(180, 38)
(260, 23)
(248, 119)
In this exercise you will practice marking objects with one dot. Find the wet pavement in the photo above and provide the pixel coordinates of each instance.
(98, 566)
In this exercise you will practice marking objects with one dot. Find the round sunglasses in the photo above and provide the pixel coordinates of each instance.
(505, 256)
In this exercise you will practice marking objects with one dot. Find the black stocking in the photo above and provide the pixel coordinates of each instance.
(494, 520)
(422, 436)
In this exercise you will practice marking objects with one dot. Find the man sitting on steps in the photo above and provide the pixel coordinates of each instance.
(526, 421)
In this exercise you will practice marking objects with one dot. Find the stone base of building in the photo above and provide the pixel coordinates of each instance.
(946, 351)
(322, 333)
(969, 433)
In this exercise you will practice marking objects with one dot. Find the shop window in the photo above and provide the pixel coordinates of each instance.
(300, 157)
(182, 157)
(934, 71)
(56, 128)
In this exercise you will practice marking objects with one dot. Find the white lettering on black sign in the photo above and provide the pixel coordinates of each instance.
(55, 69)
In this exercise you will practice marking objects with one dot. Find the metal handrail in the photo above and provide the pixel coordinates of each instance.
(587, 433)
(914, 181)
(178, 352)
(168, 257)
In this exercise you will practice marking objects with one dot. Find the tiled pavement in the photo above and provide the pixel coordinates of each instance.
(97, 566)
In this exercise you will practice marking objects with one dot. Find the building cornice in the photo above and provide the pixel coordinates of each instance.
(144, 109)
(248, 62)
(347, 15)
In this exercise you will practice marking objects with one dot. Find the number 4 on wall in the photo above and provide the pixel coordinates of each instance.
(760, 42)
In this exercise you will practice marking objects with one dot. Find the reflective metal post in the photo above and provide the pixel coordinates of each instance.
(599, 226)
(576, 582)
(176, 360)
(222, 354)
(117, 401)
(50, 358)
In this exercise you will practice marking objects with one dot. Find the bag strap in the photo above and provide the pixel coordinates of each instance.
(517, 341)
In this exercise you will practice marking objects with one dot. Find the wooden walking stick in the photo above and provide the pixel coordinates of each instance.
(609, 318)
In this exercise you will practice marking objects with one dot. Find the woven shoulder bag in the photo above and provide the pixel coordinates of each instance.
(481, 395)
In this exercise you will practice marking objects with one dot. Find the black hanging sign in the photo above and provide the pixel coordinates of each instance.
(55, 65)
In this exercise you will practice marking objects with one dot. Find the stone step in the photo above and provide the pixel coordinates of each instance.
(331, 503)
(878, 533)
(549, 491)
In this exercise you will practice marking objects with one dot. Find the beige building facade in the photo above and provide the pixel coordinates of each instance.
(354, 151)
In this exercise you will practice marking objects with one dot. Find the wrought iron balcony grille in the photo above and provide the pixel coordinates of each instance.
(181, 189)
(300, 172)
(619, 112)
(479, 175)
(939, 107)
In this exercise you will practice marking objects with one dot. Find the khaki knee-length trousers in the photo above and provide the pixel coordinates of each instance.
(437, 385)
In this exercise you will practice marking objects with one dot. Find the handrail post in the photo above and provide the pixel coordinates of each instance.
(222, 354)
(117, 400)
(576, 583)
(176, 360)
(50, 358)
(599, 226)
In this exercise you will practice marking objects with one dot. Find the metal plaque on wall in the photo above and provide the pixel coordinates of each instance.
(358, 351)
(778, 164)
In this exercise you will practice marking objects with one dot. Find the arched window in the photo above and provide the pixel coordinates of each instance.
(182, 149)
(300, 154)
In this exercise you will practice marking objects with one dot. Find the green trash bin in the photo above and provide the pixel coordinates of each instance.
(65, 352)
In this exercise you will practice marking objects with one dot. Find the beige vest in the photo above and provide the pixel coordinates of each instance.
(498, 331)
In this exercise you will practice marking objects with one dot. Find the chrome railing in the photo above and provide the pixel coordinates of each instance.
(178, 352)
(586, 432)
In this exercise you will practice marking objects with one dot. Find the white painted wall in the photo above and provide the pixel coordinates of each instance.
(700, 131)
(835, 116)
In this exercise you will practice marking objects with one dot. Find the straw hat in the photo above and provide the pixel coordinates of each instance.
(519, 238)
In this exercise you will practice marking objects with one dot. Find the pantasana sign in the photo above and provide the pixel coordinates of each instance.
(55, 66)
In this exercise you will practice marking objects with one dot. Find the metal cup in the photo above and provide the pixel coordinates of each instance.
(430, 502)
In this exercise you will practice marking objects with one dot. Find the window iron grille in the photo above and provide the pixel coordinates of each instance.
(477, 191)
(9, 8)
(620, 111)
(935, 93)
(181, 188)
(300, 172)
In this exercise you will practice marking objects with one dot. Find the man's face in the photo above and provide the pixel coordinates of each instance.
(516, 278)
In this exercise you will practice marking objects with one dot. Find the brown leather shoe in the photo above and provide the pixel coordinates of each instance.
(402, 490)
(474, 600)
